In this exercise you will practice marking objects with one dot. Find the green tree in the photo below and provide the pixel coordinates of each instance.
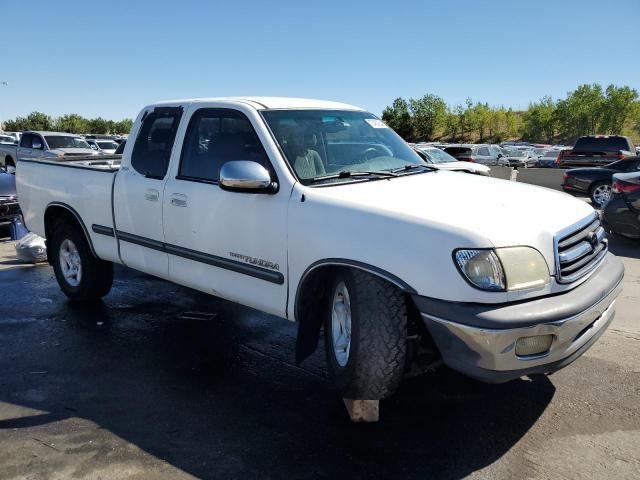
(581, 112)
(123, 126)
(619, 106)
(540, 121)
(428, 114)
(71, 123)
(397, 116)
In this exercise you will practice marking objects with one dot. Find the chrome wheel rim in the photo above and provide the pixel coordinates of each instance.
(341, 324)
(602, 194)
(70, 263)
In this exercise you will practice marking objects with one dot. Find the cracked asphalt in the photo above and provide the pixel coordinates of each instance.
(139, 387)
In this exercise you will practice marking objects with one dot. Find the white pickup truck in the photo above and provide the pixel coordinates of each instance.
(319, 213)
(44, 145)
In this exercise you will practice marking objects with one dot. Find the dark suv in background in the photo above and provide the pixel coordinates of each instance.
(597, 151)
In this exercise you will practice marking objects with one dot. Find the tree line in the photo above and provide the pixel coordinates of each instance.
(589, 109)
(71, 123)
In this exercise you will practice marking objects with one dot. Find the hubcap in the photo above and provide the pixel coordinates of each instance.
(341, 324)
(70, 263)
(602, 194)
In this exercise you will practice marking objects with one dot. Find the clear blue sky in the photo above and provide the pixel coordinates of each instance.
(111, 58)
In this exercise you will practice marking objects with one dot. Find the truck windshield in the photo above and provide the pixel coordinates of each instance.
(107, 145)
(438, 156)
(321, 143)
(60, 141)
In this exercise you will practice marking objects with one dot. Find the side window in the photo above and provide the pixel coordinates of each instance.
(26, 140)
(214, 137)
(483, 152)
(37, 142)
(152, 150)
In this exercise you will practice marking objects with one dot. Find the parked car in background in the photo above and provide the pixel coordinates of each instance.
(9, 207)
(548, 159)
(521, 157)
(596, 181)
(45, 145)
(7, 139)
(597, 151)
(483, 154)
(621, 214)
(108, 147)
(443, 161)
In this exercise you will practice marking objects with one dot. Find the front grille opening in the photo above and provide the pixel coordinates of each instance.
(580, 250)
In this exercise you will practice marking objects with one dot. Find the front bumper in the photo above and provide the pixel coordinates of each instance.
(479, 340)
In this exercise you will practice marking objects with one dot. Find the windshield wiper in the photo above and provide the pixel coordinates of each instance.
(353, 173)
(412, 166)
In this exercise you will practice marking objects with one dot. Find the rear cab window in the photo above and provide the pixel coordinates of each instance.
(152, 150)
(602, 144)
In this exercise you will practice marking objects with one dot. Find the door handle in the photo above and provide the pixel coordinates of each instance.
(151, 195)
(178, 200)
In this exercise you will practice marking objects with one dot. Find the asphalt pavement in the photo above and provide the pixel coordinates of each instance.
(162, 382)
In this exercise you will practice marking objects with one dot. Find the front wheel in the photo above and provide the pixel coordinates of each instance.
(81, 276)
(365, 335)
(600, 193)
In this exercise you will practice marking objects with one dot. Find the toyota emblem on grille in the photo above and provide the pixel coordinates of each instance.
(593, 239)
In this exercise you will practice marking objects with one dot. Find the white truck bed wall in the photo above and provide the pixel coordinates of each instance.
(87, 191)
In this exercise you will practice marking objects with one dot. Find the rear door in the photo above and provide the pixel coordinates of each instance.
(138, 192)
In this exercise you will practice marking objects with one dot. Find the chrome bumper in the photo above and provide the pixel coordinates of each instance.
(488, 354)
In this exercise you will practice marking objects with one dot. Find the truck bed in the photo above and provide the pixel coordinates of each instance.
(82, 185)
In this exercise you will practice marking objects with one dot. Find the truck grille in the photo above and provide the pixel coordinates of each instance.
(579, 249)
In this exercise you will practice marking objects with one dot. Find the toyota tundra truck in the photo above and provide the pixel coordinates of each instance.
(319, 213)
(45, 145)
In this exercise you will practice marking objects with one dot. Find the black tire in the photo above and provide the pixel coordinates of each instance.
(8, 162)
(592, 191)
(97, 275)
(378, 348)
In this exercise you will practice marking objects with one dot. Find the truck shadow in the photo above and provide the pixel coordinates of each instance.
(221, 398)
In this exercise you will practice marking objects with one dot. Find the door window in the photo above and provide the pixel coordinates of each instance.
(214, 137)
(152, 150)
(483, 152)
(26, 140)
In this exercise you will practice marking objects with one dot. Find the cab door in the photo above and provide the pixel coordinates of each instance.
(229, 244)
(138, 193)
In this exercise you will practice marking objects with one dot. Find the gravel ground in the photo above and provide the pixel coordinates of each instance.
(131, 390)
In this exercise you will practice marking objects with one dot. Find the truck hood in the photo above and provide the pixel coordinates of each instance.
(462, 166)
(488, 210)
(73, 151)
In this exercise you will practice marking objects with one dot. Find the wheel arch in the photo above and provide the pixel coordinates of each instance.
(310, 295)
(58, 210)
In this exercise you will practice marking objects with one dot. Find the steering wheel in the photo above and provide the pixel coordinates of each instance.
(364, 155)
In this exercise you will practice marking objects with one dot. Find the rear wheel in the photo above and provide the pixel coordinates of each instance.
(365, 335)
(8, 162)
(81, 276)
(600, 193)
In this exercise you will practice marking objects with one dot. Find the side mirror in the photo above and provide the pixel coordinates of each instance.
(500, 155)
(246, 176)
(37, 145)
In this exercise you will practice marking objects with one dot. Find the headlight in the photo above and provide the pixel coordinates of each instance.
(481, 268)
(511, 268)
